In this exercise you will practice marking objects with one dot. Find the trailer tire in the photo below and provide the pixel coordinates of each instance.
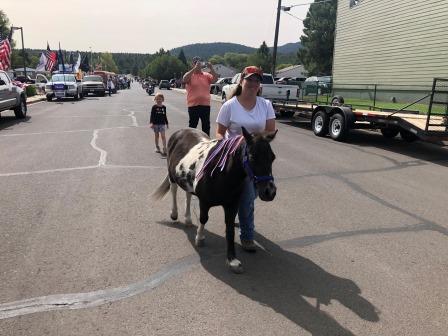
(337, 101)
(390, 132)
(320, 123)
(408, 136)
(337, 127)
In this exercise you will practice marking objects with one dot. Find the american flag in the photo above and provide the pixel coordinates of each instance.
(51, 58)
(5, 54)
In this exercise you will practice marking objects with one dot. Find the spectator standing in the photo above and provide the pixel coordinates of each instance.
(198, 93)
(110, 85)
(159, 122)
(256, 114)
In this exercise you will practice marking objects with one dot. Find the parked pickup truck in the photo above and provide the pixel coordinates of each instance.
(12, 97)
(93, 84)
(62, 86)
(268, 89)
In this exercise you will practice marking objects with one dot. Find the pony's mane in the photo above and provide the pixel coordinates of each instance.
(223, 150)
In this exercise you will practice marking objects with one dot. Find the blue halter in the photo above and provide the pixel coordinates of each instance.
(250, 172)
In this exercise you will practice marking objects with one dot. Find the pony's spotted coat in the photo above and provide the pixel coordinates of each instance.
(221, 181)
(192, 163)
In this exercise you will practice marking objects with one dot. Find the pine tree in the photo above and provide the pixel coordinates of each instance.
(318, 38)
(182, 57)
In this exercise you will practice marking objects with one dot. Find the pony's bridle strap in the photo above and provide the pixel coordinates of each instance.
(250, 172)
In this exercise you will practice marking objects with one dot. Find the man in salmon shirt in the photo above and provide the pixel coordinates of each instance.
(198, 93)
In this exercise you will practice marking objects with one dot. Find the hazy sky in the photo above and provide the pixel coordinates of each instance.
(145, 26)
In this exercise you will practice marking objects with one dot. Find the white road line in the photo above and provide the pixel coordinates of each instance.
(103, 153)
(73, 131)
(134, 119)
(95, 298)
(47, 171)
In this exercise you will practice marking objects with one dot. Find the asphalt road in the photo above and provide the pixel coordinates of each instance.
(356, 242)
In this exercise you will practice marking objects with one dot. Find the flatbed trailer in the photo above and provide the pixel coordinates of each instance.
(338, 119)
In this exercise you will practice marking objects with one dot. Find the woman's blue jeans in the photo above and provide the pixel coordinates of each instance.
(246, 210)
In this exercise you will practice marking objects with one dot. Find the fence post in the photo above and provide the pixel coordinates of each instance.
(374, 96)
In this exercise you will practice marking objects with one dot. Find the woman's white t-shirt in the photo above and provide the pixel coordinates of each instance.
(233, 116)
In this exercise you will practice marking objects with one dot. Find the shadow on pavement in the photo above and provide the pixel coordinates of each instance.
(281, 280)
(8, 121)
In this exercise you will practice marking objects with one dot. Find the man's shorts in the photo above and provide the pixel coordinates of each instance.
(158, 128)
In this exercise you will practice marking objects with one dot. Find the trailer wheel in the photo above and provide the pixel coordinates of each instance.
(408, 136)
(338, 130)
(337, 101)
(390, 132)
(320, 124)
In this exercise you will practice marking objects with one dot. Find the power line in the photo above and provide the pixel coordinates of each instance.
(287, 8)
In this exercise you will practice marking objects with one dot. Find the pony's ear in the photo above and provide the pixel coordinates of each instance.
(247, 136)
(271, 135)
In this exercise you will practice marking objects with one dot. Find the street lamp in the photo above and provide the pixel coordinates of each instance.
(23, 48)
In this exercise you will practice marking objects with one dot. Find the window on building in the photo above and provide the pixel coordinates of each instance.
(353, 3)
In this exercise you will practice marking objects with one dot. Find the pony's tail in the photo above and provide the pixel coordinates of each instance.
(162, 189)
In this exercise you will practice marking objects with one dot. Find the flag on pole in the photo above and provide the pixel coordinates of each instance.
(51, 58)
(42, 62)
(85, 66)
(77, 64)
(5, 52)
(61, 59)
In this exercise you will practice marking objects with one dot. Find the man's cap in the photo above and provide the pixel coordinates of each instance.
(252, 70)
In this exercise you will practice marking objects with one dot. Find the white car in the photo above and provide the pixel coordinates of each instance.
(268, 89)
(62, 86)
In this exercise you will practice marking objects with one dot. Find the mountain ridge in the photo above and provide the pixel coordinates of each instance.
(207, 50)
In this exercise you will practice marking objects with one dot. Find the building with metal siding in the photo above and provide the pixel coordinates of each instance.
(400, 42)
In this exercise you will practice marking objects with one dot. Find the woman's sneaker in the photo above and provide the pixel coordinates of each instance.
(157, 149)
(164, 153)
(248, 245)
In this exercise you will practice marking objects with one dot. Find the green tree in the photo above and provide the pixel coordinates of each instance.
(261, 58)
(234, 60)
(217, 59)
(182, 57)
(4, 24)
(318, 38)
(164, 67)
(108, 63)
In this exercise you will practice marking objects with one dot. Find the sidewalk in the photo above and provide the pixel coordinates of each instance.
(35, 99)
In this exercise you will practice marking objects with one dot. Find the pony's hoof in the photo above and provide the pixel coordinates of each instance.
(188, 223)
(200, 242)
(173, 217)
(235, 266)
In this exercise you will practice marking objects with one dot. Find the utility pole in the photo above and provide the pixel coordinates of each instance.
(274, 54)
(91, 64)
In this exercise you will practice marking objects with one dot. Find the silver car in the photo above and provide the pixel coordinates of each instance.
(12, 97)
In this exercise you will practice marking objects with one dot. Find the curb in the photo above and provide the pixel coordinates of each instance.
(32, 100)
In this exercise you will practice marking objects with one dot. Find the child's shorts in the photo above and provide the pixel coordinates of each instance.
(158, 128)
